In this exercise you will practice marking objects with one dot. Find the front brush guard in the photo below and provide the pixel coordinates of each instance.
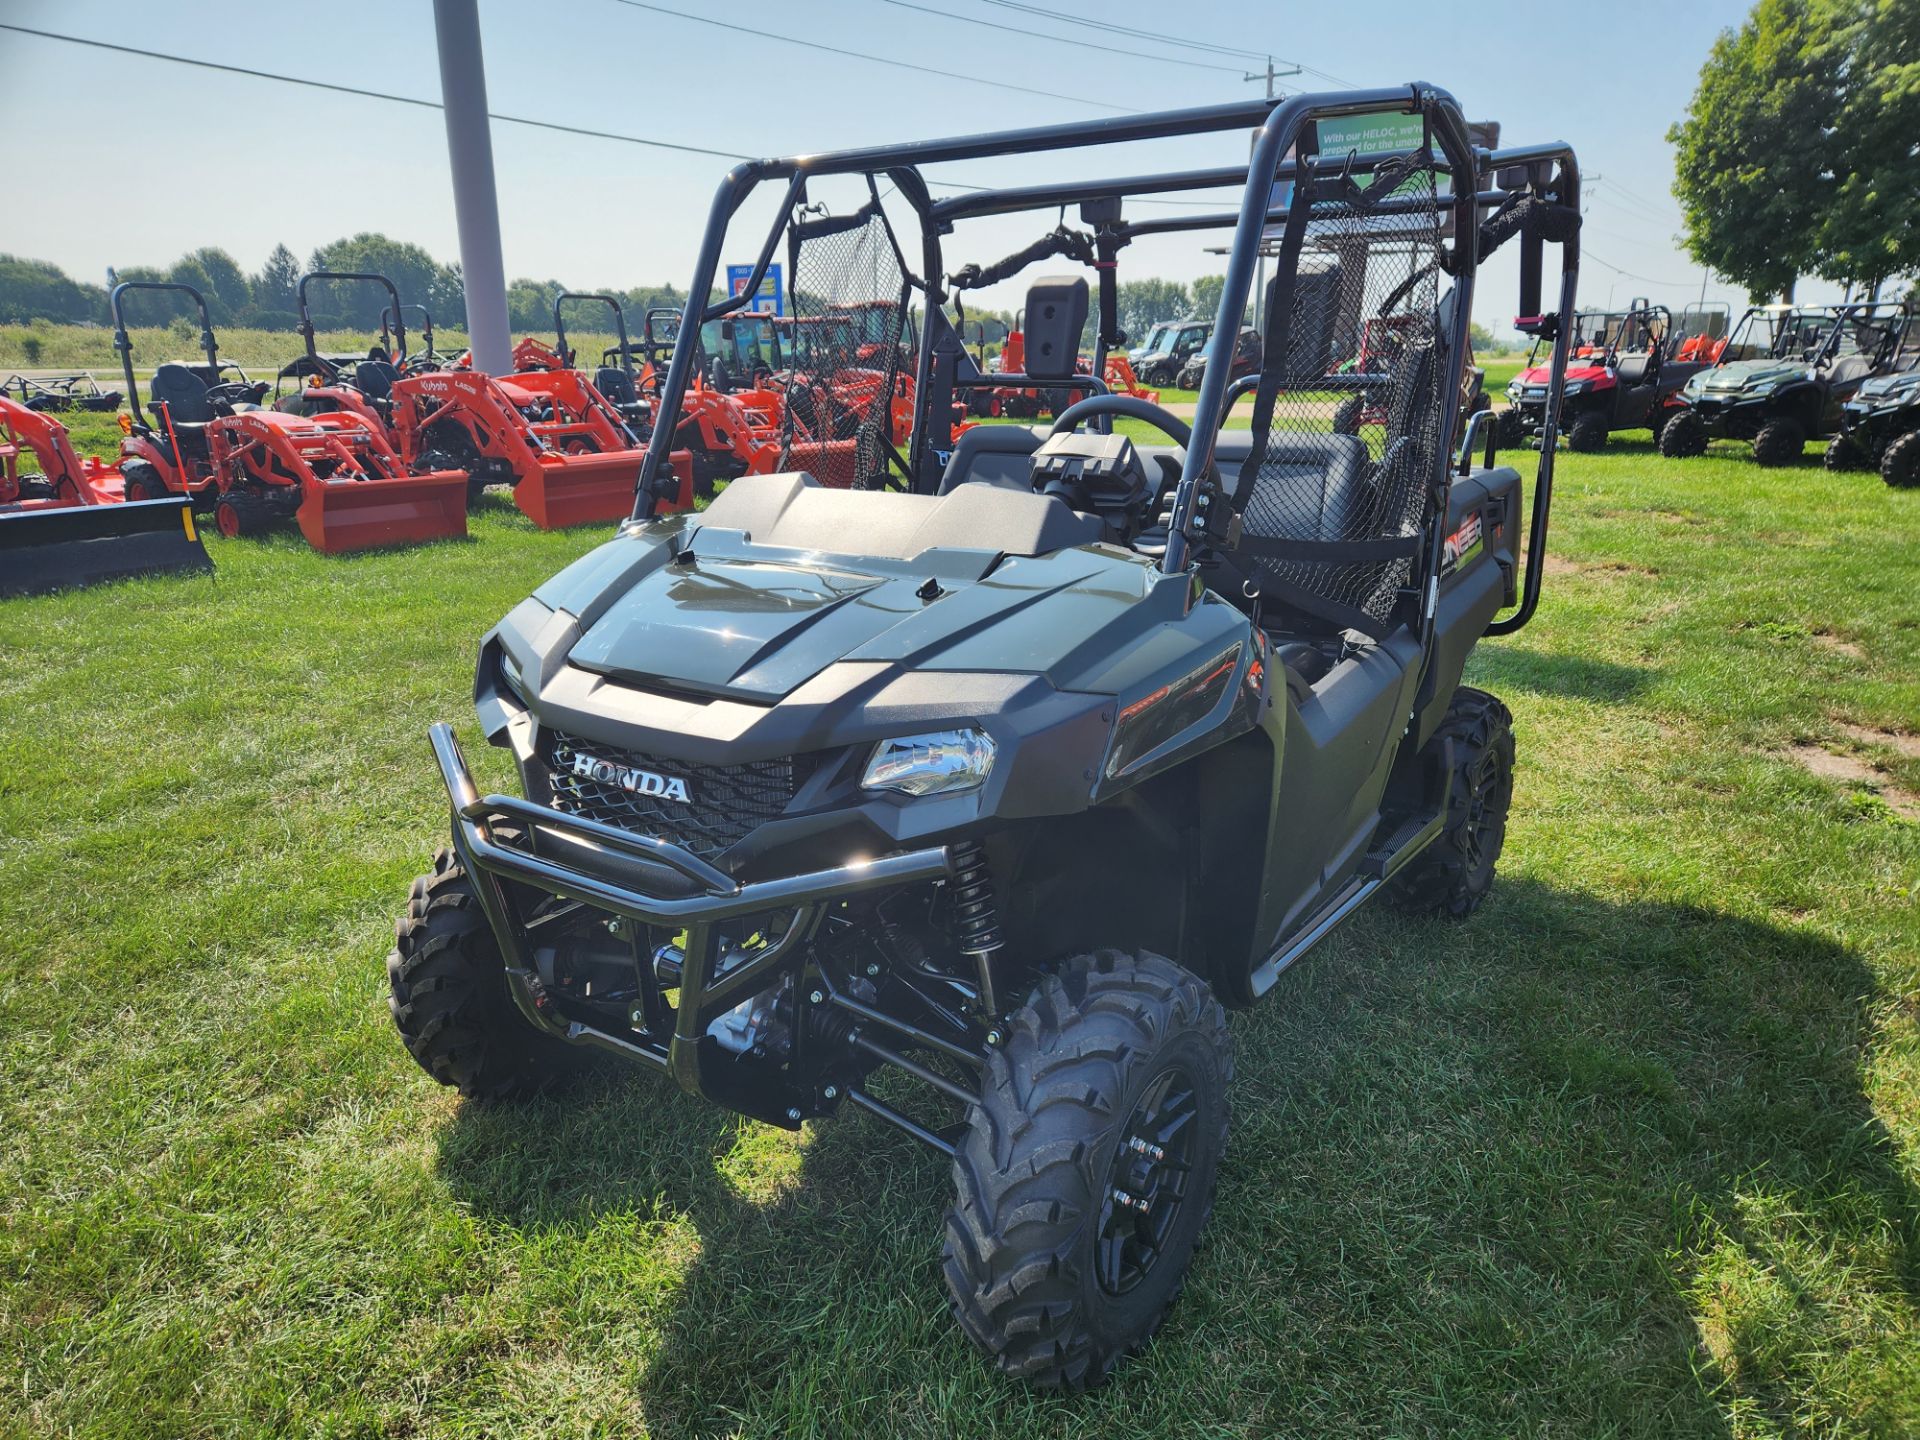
(713, 896)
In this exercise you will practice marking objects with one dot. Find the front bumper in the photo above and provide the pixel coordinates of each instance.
(659, 885)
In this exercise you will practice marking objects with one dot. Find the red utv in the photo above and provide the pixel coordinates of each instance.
(1625, 372)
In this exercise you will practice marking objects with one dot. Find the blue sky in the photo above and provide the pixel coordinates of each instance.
(132, 161)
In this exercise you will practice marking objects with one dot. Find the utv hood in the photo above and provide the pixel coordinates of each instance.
(1542, 375)
(757, 597)
(1743, 375)
(1889, 390)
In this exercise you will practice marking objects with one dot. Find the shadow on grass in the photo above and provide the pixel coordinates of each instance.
(1573, 677)
(1577, 1164)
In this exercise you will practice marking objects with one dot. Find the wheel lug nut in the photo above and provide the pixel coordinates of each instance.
(1131, 1202)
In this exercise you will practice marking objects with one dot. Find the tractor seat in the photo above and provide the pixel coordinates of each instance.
(182, 392)
(616, 384)
(374, 378)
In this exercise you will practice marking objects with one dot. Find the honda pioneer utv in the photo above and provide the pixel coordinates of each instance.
(1880, 423)
(1783, 377)
(1005, 780)
(1626, 378)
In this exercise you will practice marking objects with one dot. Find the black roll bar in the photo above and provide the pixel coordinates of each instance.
(124, 344)
(367, 277)
(619, 321)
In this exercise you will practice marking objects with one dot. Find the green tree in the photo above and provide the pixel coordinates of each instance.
(420, 279)
(216, 275)
(1145, 303)
(1206, 295)
(273, 285)
(40, 290)
(1755, 164)
(1871, 230)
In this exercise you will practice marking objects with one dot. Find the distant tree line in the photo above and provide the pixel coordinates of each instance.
(39, 290)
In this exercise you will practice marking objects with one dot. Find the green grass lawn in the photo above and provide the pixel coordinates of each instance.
(1636, 1151)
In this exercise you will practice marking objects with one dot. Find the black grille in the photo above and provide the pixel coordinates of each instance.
(724, 802)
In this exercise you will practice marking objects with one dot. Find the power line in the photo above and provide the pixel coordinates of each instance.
(1087, 22)
(1131, 32)
(872, 59)
(420, 104)
(369, 94)
(1588, 254)
(1059, 39)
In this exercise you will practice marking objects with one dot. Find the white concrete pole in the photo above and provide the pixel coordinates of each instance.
(463, 91)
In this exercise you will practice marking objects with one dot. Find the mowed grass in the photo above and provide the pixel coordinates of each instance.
(1633, 1152)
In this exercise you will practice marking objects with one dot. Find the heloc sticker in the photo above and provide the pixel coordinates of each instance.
(1462, 545)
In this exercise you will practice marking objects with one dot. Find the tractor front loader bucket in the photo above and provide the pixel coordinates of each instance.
(583, 489)
(63, 547)
(361, 514)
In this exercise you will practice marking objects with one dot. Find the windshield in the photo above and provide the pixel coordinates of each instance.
(1159, 339)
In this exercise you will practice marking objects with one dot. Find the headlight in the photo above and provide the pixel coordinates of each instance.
(1514, 390)
(510, 673)
(1577, 387)
(936, 764)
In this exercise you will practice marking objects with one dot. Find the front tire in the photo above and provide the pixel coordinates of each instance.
(1587, 433)
(241, 514)
(1780, 442)
(1454, 873)
(1844, 453)
(449, 1000)
(1088, 1167)
(140, 480)
(1346, 415)
(1900, 462)
(1684, 436)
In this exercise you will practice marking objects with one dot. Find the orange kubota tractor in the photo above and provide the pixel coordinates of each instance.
(68, 523)
(211, 439)
(570, 454)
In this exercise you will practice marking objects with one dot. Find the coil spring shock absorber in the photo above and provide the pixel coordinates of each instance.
(977, 916)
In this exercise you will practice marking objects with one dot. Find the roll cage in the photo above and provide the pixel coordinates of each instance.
(1512, 187)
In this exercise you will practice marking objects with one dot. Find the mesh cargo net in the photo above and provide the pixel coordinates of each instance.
(850, 290)
(1349, 420)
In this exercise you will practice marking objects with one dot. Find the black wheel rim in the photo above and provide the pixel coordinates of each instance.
(1147, 1181)
(1486, 805)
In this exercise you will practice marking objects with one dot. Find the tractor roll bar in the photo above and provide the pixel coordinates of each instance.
(619, 321)
(426, 329)
(306, 318)
(124, 344)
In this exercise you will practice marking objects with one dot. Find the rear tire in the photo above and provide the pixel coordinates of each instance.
(449, 1000)
(1513, 428)
(1453, 874)
(1117, 1057)
(1588, 433)
(1780, 442)
(1900, 462)
(1684, 436)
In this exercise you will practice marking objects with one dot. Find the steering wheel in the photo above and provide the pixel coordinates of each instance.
(1132, 407)
(237, 392)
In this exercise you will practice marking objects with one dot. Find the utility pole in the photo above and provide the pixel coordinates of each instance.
(1269, 75)
(476, 206)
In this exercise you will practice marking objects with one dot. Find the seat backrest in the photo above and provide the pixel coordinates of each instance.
(1309, 487)
(182, 392)
(994, 454)
(616, 384)
(1633, 369)
(1849, 370)
(374, 378)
